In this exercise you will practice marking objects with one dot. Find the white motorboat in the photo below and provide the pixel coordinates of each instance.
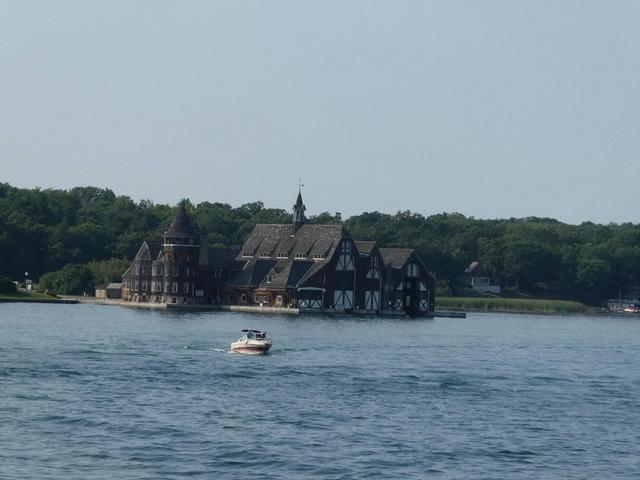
(252, 342)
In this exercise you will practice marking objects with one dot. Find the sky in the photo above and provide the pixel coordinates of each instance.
(493, 109)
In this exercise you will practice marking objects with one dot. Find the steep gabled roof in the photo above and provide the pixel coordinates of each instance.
(272, 233)
(253, 273)
(395, 257)
(474, 267)
(144, 252)
(309, 240)
(365, 247)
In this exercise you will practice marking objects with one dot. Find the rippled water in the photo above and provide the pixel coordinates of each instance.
(106, 392)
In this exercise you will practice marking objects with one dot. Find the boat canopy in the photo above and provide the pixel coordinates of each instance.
(247, 330)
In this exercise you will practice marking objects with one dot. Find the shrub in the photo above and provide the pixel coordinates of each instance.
(71, 279)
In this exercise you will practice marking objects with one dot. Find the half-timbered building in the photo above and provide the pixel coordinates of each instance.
(308, 266)
(321, 268)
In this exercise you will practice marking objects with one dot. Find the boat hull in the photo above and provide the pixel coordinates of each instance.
(251, 347)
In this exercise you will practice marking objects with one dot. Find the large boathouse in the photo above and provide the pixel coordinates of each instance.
(307, 266)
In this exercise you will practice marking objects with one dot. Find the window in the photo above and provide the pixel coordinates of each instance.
(217, 272)
(412, 270)
(144, 270)
(247, 254)
(283, 255)
(158, 270)
(144, 285)
(345, 261)
(174, 287)
(265, 255)
(243, 298)
(188, 270)
(318, 256)
(186, 287)
(175, 270)
(261, 298)
(300, 255)
(269, 278)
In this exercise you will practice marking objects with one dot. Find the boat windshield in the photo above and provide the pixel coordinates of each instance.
(257, 334)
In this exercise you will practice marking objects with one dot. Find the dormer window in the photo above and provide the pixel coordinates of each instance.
(283, 255)
(265, 255)
(300, 255)
(269, 278)
(247, 254)
(318, 256)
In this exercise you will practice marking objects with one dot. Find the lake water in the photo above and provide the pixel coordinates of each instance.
(92, 392)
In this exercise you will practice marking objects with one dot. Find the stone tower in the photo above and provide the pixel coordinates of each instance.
(181, 249)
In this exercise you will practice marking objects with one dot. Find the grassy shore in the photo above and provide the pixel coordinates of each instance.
(28, 297)
(511, 305)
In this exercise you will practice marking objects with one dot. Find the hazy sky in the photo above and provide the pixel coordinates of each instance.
(489, 108)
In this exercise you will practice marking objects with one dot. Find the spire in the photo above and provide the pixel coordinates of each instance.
(298, 211)
(181, 225)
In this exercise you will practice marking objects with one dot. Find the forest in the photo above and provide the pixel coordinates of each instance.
(74, 239)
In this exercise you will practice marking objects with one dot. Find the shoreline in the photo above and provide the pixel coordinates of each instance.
(448, 309)
(250, 309)
(24, 297)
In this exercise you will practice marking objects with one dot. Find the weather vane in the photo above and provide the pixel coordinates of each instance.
(300, 184)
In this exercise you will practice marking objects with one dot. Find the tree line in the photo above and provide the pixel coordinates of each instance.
(93, 232)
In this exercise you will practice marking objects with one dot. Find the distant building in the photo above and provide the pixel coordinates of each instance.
(480, 280)
(311, 267)
(112, 291)
(180, 270)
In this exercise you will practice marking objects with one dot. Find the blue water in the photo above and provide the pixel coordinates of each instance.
(92, 392)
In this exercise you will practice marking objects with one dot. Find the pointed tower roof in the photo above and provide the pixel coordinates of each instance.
(298, 213)
(181, 224)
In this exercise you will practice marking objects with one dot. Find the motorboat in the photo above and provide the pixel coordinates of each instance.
(252, 342)
(633, 308)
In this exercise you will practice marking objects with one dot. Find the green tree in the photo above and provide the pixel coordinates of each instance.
(104, 272)
(70, 280)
